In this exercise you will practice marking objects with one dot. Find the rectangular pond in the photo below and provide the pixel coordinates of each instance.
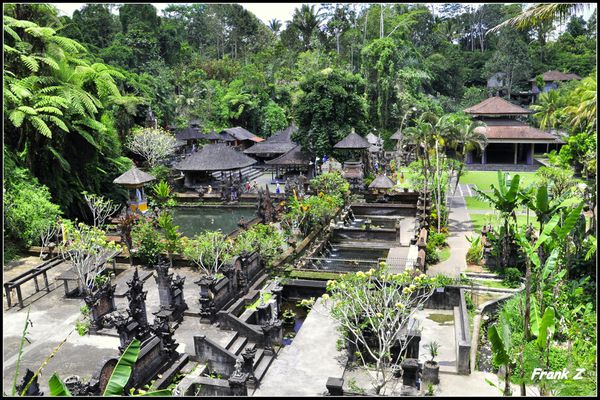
(195, 220)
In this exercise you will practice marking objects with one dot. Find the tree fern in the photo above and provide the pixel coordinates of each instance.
(41, 126)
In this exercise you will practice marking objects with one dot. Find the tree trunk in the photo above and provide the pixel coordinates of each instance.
(507, 390)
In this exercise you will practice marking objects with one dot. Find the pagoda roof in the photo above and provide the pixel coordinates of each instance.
(215, 157)
(352, 142)
(496, 106)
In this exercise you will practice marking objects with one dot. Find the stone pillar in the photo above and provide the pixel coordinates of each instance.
(516, 150)
(530, 155)
(410, 372)
(277, 291)
(163, 280)
(484, 156)
(248, 366)
(207, 305)
(335, 386)
(263, 313)
(237, 384)
(397, 227)
(412, 349)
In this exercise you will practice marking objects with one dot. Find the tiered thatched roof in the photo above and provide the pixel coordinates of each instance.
(279, 143)
(352, 142)
(239, 133)
(134, 176)
(188, 133)
(381, 182)
(397, 135)
(294, 157)
(212, 135)
(215, 157)
(496, 106)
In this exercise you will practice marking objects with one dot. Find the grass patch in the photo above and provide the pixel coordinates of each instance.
(314, 275)
(479, 220)
(444, 253)
(473, 203)
(483, 179)
(491, 284)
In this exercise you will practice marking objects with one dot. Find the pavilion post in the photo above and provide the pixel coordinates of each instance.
(516, 148)
(484, 156)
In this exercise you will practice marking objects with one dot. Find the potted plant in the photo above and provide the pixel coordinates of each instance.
(430, 390)
(431, 369)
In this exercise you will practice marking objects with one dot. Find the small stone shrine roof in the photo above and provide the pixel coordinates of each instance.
(215, 157)
(134, 176)
(381, 182)
(352, 142)
(496, 106)
(293, 157)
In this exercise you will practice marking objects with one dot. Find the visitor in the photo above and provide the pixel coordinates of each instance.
(193, 147)
(248, 186)
(325, 158)
(254, 185)
(209, 190)
(278, 189)
(402, 178)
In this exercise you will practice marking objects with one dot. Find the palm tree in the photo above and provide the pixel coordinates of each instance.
(540, 14)
(275, 25)
(546, 108)
(466, 138)
(306, 20)
(584, 112)
(505, 199)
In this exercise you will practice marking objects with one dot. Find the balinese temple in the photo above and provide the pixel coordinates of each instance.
(134, 180)
(376, 143)
(551, 81)
(510, 139)
(243, 138)
(353, 170)
(294, 162)
(198, 167)
(214, 137)
(190, 135)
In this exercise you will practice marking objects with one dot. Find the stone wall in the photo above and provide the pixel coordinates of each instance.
(298, 289)
(218, 359)
(389, 235)
(401, 210)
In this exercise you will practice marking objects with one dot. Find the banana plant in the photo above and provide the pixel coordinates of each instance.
(118, 379)
(505, 199)
(499, 336)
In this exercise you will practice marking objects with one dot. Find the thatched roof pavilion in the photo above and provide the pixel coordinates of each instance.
(134, 177)
(381, 182)
(215, 157)
(294, 157)
(495, 106)
(280, 143)
(352, 142)
(397, 135)
(189, 133)
(212, 136)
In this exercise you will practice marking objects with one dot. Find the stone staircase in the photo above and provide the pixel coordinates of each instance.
(248, 173)
(262, 361)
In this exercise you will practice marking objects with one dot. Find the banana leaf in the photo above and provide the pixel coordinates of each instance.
(546, 327)
(501, 356)
(122, 372)
(58, 387)
(570, 222)
(535, 318)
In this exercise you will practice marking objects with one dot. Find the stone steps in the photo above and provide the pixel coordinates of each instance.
(237, 346)
(261, 369)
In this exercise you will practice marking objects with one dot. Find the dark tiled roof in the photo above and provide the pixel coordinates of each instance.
(381, 182)
(516, 132)
(352, 141)
(188, 133)
(496, 106)
(397, 135)
(293, 157)
(551, 76)
(240, 133)
(212, 135)
(215, 157)
(134, 176)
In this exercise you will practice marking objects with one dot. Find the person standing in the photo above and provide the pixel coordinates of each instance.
(278, 189)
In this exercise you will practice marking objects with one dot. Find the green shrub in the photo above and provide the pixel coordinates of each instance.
(437, 239)
(160, 172)
(475, 252)
(431, 255)
(147, 241)
(511, 277)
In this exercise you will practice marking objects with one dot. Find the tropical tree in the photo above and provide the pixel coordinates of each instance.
(541, 13)
(153, 144)
(373, 308)
(547, 106)
(504, 199)
(306, 20)
(499, 336)
(209, 250)
(275, 25)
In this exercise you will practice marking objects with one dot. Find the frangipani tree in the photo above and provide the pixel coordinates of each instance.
(154, 145)
(88, 250)
(373, 309)
(209, 251)
(100, 207)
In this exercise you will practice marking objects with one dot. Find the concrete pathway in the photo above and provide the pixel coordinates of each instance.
(302, 368)
(459, 225)
(475, 385)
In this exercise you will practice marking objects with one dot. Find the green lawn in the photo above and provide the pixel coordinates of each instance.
(479, 220)
(491, 284)
(473, 203)
(483, 179)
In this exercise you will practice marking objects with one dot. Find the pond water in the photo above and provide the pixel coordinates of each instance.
(193, 221)
(290, 330)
